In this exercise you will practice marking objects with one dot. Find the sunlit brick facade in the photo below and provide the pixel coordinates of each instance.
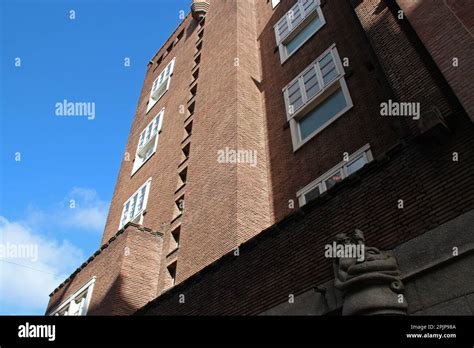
(259, 135)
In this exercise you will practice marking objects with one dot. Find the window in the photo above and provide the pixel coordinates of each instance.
(180, 36)
(297, 26)
(78, 303)
(317, 97)
(135, 206)
(148, 141)
(338, 173)
(161, 85)
(275, 3)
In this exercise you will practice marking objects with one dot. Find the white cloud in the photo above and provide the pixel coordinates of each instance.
(85, 210)
(27, 280)
(82, 209)
(25, 284)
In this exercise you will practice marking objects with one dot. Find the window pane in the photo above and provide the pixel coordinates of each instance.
(148, 133)
(294, 96)
(125, 213)
(333, 179)
(149, 151)
(303, 35)
(155, 125)
(311, 83)
(141, 198)
(322, 113)
(313, 194)
(328, 68)
(132, 207)
(356, 165)
(308, 5)
(283, 28)
(155, 84)
(294, 15)
(142, 137)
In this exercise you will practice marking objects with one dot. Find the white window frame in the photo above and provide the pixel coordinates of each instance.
(295, 28)
(309, 104)
(162, 81)
(86, 288)
(275, 3)
(152, 142)
(137, 216)
(320, 182)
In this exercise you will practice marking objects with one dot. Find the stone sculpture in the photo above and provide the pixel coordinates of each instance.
(371, 286)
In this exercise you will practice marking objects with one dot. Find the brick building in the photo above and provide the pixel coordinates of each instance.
(260, 134)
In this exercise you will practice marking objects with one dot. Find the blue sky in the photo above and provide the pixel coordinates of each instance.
(57, 174)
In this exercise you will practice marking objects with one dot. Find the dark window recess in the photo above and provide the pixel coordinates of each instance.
(175, 235)
(180, 203)
(172, 273)
(193, 90)
(180, 36)
(191, 108)
(189, 128)
(186, 150)
(158, 61)
(183, 174)
(195, 75)
(198, 47)
(197, 60)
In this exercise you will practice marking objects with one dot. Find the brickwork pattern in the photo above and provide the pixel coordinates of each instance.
(288, 258)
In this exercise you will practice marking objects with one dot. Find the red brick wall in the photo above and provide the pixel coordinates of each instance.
(162, 166)
(291, 171)
(288, 258)
(446, 29)
(126, 272)
(225, 204)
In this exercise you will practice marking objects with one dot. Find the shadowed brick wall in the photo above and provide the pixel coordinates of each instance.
(126, 270)
(291, 171)
(289, 258)
(447, 31)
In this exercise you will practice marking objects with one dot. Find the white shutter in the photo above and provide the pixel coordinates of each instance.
(291, 20)
(133, 205)
(309, 5)
(171, 67)
(311, 83)
(328, 68)
(141, 198)
(124, 214)
(295, 15)
(295, 97)
(282, 29)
